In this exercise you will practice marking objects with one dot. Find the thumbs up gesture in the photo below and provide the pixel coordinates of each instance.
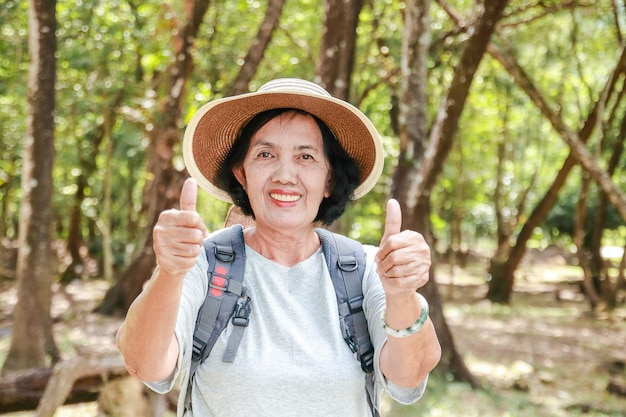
(403, 258)
(179, 234)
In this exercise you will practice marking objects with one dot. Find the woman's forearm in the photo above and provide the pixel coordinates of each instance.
(407, 361)
(146, 338)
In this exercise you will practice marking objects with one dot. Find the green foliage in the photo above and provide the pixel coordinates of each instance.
(569, 69)
(13, 91)
(112, 55)
(100, 83)
(561, 220)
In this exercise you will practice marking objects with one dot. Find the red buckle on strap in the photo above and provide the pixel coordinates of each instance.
(218, 282)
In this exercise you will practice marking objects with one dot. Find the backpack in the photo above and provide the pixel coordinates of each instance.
(227, 299)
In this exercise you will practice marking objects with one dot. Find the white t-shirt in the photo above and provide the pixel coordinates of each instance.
(292, 360)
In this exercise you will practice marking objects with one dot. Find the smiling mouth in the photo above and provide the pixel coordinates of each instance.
(288, 198)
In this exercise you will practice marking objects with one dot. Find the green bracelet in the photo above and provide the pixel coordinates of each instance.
(415, 327)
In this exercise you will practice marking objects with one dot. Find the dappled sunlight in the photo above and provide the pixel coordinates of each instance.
(545, 346)
(544, 355)
(500, 374)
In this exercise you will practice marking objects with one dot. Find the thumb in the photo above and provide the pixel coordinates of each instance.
(393, 220)
(189, 195)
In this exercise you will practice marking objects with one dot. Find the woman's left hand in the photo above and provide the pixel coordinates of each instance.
(403, 259)
(403, 264)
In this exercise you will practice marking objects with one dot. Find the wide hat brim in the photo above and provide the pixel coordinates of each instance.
(214, 128)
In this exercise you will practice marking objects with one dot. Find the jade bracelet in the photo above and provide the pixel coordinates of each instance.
(414, 328)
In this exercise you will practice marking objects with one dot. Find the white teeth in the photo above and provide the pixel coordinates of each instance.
(285, 197)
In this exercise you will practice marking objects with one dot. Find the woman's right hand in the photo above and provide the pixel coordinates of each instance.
(179, 234)
(146, 338)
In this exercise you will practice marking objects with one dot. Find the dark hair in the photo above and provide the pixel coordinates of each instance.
(344, 170)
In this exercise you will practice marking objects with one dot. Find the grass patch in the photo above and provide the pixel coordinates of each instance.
(447, 398)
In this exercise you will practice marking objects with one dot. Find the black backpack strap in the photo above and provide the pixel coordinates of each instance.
(346, 263)
(226, 256)
(345, 259)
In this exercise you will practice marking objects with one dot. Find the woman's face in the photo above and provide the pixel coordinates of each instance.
(285, 172)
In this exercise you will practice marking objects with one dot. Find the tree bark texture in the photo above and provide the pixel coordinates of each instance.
(336, 60)
(407, 175)
(162, 190)
(412, 116)
(422, 156)
(32, 339)
(335, 63)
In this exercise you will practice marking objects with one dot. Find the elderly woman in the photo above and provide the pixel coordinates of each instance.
(291, 157)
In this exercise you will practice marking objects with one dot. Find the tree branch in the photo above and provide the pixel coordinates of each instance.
(577, 147)
(72, 381)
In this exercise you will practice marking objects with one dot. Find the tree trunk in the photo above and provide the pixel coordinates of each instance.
(87, 167)
(5, 190)
(421, 157)
(620, 281)
(32, 341)
(501, 224)
(163, 190)
(502, 276)
(451, 360)
(580, 229)
(105, 216)
(257, 49)
(446, 123)
(336, 59)
(575, 142)
(74, 233)
(599, 273)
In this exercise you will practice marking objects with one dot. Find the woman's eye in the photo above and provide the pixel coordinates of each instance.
(264, 155)
(307, 157)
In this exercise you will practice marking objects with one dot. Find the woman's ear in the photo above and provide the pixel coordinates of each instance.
(330, 184)
(240, 175)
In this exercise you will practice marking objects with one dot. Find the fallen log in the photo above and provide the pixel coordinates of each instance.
(72, 381)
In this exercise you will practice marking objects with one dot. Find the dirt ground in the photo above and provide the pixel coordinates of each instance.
(546, 343)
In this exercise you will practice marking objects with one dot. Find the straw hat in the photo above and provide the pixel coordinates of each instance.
(215, 126)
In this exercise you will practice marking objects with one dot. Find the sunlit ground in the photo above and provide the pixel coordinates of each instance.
(544, 355)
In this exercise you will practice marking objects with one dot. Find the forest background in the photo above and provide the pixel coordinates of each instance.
(504, 127)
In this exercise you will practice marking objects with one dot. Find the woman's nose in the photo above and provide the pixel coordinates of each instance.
(286, 171)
